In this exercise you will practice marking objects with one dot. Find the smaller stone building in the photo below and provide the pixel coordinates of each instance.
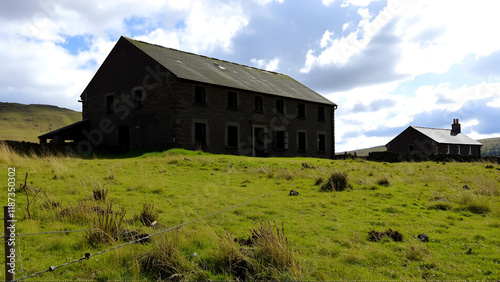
(435, 141)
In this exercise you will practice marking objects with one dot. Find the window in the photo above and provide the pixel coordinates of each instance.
(138, 98)
(200, 134)
(280, 140)
(280, 107)
(458, 149)
(470, 150)
(232, 136)
(447, 149)
(302, 141)
(199, 95)
(321, 142)
(232, 100)
(109, 104)
(410, 147)
(301, 110)
(258, 104)
(321, 113)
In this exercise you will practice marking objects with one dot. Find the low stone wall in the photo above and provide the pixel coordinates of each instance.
(28, 148)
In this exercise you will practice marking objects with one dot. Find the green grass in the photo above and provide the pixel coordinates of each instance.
(27, 122)
(325, 234)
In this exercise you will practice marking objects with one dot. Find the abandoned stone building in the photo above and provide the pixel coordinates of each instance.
(148, 97)
(435, 141)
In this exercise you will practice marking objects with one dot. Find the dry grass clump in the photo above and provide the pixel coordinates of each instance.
(284, 174)
(80, 213)
(265, 255)
(8, 155)
(148, 214)
(469, 201)
(338, 181)
(417, 251)
(100, 193)
(272, 252)
(384, 182)
(234, 259)
(165, 260)
(106, 226)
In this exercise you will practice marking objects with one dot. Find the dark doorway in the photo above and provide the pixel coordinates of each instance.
(258, 141)
(124, 139)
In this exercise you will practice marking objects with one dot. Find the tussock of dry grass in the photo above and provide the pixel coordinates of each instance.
(8, 155)
(472, 202)
(338, 181)
(148, 214)
(165, 260)
(107, 226)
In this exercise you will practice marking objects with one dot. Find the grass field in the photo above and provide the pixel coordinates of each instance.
(312, 236)
(26, 122)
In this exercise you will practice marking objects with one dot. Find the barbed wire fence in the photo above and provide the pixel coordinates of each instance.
(88, 255)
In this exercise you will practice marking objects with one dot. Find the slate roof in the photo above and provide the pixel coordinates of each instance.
(218, 72)
(446, 136)
(72, 130)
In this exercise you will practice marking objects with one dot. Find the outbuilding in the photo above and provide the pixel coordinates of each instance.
(435, 141)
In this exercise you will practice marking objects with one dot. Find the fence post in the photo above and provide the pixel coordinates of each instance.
(10, 267)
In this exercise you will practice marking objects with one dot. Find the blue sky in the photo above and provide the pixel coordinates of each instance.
(385, 63)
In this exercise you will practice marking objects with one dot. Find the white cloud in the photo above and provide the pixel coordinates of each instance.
(345, 26)
(327, 38)
(432, 42)
(28, 41)
(494, 104)
(270, 65)
(327, 2)
(208, 26)
(364, 13)
(341, 50)
(45, 73)
(265, 2)
(359, 3)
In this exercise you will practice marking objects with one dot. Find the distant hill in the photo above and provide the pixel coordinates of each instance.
(26, 122)
(364, 152)
(491, 146)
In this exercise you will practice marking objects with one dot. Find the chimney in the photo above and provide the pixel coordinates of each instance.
(455, 127)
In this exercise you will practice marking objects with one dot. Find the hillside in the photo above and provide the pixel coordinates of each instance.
(491, 146)
(26, 122)
(230, 218)
(364, 152)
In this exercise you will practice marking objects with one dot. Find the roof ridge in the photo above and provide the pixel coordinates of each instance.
(191, 53)
(430, 127)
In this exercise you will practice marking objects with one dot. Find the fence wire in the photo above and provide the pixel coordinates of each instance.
(88, 255)
(51, 232)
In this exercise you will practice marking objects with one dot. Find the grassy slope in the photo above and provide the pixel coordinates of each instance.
(327, 231)
(26, 122)
(364, 152)
(491, 146)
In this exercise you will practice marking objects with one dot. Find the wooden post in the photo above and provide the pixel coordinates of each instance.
(10, 257)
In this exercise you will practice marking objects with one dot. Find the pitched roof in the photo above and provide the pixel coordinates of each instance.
(446, 136)
(218, 72)
(74, 130)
